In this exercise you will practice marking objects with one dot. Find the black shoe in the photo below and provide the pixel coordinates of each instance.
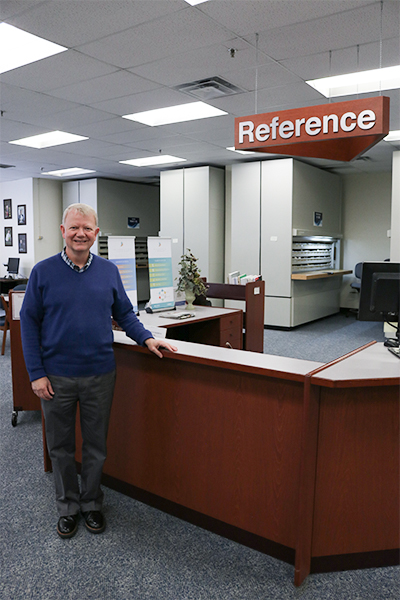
(67, 526)
(94, 521)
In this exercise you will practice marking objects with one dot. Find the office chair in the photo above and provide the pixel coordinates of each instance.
(4, 324)
(356, 285)
(20, 288)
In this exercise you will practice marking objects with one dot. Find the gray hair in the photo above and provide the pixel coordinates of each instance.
(84, 209)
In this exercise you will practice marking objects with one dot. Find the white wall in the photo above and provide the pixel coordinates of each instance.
(395, 231)
(366, 221)
(20, 192)
(42, 199)
(47, 203)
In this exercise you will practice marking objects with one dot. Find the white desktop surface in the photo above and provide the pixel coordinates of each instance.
(232, 358)
(160, 319)
(374, 363)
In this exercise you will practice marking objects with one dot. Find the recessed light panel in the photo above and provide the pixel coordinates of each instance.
(18, 48)
(393, 136)
(176, 114)
(45, 140)
(194, 2)
(69, 172)
(162, 159)
(233, 149)
(363, 82)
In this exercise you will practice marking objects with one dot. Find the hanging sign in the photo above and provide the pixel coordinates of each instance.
(121, 251)
(338, 130)
(160, 273)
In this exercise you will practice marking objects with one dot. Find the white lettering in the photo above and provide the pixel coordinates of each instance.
(286, 129)
(248, 131)
(313, 126)
(366, 119)
(274, 125)
(262, 132)
(343, 119)
(330, 123)
(299, 123)
(335, 121)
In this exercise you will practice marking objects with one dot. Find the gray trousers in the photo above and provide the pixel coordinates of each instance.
(94, 395)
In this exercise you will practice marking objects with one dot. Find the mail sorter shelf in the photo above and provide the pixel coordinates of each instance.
(253, 294)
(313, 254)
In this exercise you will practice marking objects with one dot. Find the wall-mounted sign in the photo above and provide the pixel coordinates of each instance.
(133, 223)
(318, 219)
(338, 130)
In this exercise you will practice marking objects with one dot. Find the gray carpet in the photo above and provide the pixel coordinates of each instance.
(144, 553)
(323, 340)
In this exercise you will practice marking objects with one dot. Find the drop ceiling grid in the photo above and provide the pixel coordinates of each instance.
(152, 41)
(106, 87)
(198, 63)
(72, 23)
(329, 33)
(254, 15)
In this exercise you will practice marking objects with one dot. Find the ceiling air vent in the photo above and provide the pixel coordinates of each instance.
(207, 89)
(2, 166)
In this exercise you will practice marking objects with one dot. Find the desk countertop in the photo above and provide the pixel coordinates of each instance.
(373, 366)
(266, 364)
(160, 319)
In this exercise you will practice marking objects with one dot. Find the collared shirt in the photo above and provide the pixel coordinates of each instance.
(73, 265)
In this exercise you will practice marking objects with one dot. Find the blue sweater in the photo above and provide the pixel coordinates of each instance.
(66, 318)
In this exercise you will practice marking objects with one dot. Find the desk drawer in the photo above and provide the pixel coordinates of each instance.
(231, 331)
(233, 321)
(232, 338)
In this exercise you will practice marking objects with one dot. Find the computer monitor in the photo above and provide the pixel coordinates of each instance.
(13, 266)
(380, 293)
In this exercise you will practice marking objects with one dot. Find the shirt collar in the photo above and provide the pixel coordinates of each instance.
(73, 265)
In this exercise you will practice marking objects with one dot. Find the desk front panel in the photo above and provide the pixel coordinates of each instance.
(220, 442)
(357, 482)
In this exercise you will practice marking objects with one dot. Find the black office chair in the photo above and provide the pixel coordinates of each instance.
(356, 285)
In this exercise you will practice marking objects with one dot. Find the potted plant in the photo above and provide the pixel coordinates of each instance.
(189, 280)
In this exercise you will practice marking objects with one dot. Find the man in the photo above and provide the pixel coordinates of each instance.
(67, 342)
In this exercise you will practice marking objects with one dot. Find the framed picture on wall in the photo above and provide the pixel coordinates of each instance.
(7, 208)
(22, 243)
(8, 238)
(21, 212)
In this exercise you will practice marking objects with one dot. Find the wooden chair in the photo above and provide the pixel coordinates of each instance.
(4, 323)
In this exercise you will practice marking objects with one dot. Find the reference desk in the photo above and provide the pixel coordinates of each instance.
(294, 458)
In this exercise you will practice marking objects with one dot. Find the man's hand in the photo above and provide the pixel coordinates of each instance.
(154, 345)
(42, 388)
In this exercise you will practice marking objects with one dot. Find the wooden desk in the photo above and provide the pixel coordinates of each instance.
(253, 293)
(7, 284)
(291, 457)
(23, 396)
(210, 325)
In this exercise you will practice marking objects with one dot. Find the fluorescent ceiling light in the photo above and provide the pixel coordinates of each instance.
(176, 114)
(393, 136)
(161, 159)
(45, 140)
(358, 83)
(194, 2)
(18, 48)
(69, 172)
(233, 149)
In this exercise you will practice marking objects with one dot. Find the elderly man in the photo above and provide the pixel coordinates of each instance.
(67, 343)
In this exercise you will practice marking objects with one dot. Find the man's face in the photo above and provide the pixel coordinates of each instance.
(79, 232)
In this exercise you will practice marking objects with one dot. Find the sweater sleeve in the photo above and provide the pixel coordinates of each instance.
(125, 316)
(31, 317)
